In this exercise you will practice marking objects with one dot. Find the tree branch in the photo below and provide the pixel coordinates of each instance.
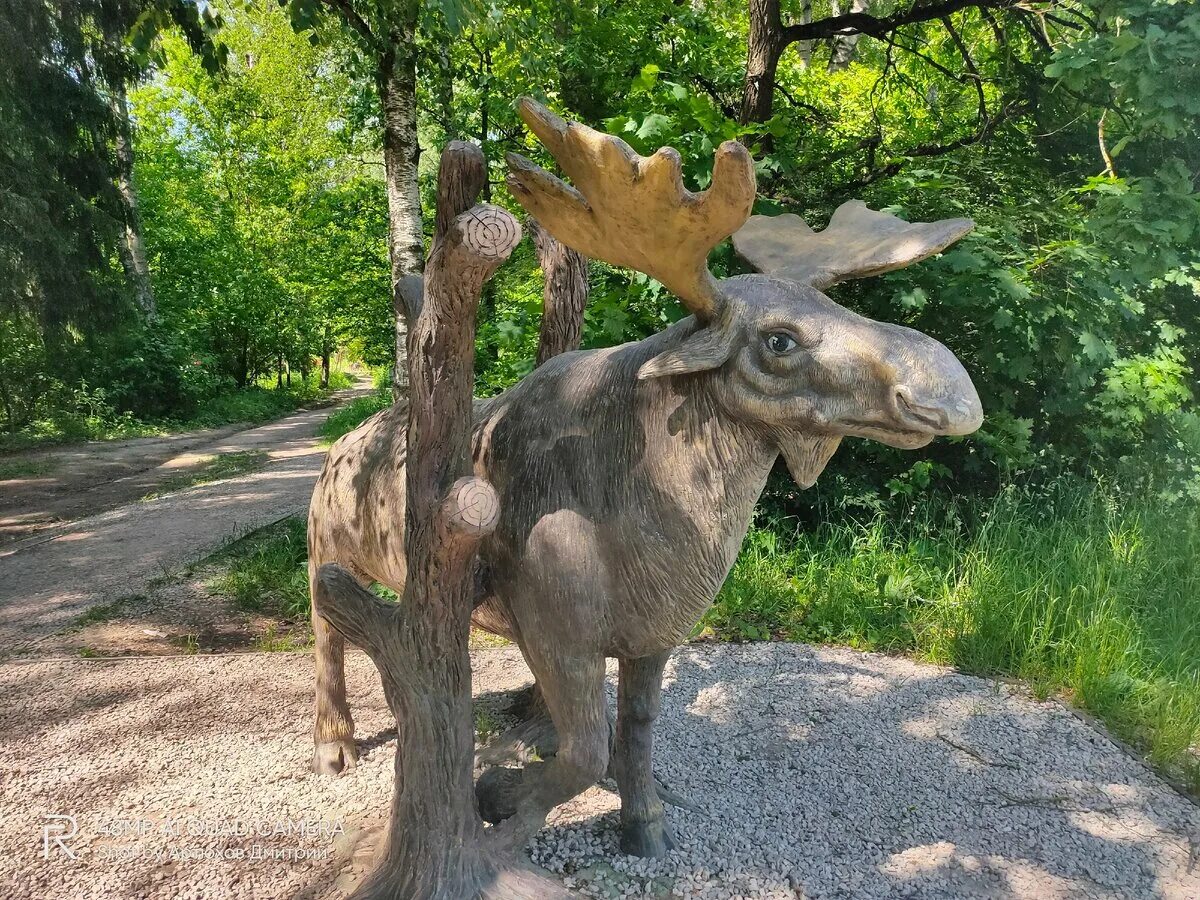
(985, 131)
(875, 26)
(366, 620)
(973, 73)
(345, 8)
(711, 89)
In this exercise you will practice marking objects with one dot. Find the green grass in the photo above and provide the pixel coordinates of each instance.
(216, 468)
(106, 612)
(1079, 593)
(273, 640)
(262, 402)
(267, 571)
(347, 418)
(24, 468)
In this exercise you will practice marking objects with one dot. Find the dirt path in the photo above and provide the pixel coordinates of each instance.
(814, 772)
(62, 484)
(48, 580)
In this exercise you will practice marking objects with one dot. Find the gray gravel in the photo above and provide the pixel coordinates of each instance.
(815, 773)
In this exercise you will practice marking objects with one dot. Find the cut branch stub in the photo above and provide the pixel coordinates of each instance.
(462, 174)
(471, 508)
(859, 242)
(634, 211)
(489, 233)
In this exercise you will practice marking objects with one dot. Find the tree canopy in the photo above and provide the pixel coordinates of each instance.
(1068, 130)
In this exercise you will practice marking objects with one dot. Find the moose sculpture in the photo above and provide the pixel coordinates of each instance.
(627, 476)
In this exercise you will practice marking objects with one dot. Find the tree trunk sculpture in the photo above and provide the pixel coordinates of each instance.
(436, 843)
(564, 297)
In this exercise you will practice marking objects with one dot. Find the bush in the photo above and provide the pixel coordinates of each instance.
(84, 413)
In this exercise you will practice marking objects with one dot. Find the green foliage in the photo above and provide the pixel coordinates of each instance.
(1073, 302)
(66, 416)
(1079, 589)
(354, 413)
(266, 243)
(268, 240)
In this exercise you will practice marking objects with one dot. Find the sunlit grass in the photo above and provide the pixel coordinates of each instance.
(345, 419)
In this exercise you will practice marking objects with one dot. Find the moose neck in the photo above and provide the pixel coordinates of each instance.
(714, 466)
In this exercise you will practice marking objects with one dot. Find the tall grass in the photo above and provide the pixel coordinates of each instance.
(1075, 589)
(267, 571)
(347, 418)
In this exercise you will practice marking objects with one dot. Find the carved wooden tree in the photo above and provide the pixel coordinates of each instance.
(565, 295)
(437, 846)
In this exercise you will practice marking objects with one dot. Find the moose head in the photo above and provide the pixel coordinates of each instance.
(792, 361)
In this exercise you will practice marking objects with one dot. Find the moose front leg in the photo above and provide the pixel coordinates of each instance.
(333, 725)
(644, 829)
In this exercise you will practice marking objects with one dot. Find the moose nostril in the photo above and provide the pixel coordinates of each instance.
(930, 416)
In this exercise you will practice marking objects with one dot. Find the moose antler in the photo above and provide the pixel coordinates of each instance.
(858, 242)
(631, 210)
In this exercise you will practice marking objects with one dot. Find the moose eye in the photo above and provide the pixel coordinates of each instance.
(780, 342)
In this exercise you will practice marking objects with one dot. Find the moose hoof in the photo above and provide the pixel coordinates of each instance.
(334, 757)
(649, 839)
(497, 792)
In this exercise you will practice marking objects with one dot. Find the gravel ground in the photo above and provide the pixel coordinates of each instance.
(815, 773)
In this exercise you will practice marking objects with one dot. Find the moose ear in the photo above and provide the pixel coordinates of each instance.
(707, 349)
(859, 242)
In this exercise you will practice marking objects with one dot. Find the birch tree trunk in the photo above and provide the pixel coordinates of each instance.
(401, 154)
(845, 46)
(805, 47)
(437, 846)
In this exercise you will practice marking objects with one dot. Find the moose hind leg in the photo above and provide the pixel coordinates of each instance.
(334, 750)
(644, 829)
(574, 692)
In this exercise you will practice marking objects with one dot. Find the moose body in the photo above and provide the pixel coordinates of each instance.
(627, 477)
(623, 502)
